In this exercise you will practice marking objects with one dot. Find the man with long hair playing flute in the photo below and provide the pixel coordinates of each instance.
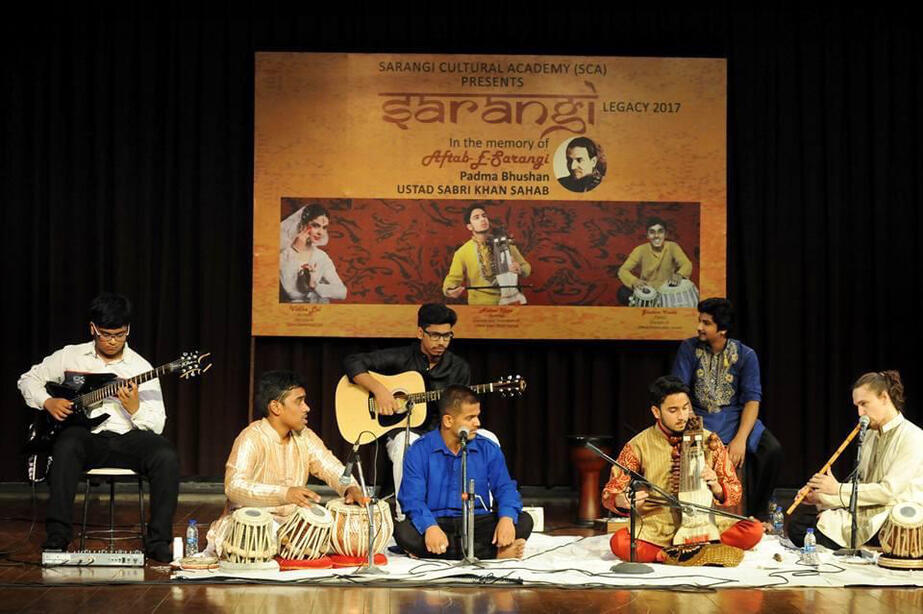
(890, 470)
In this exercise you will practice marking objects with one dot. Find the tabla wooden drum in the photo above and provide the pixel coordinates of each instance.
(349, 535)
(901, 537)
(306, 533)
(683, 294)
(643, 296)
(250, 538)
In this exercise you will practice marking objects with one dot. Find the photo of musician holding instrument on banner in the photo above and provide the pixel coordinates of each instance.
(660, 454)
(306, 272)
(890, 471)
(488, 266)
(663, 272)
(585, 165)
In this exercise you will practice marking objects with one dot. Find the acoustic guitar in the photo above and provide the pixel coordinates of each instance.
(357, 413)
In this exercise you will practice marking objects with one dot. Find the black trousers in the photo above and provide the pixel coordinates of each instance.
(408, 538)
(77, 450)
(762, 474)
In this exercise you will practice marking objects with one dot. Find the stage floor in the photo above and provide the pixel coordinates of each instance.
(27, 587)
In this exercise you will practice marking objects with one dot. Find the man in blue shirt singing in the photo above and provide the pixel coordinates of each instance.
(430, 493)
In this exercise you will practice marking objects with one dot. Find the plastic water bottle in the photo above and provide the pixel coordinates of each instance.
(809, 550)
(778, 521)
(192, 538)
(772, 507)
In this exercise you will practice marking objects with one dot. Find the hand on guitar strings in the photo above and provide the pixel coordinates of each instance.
(299, 495)
(58, 408)
(128, 396)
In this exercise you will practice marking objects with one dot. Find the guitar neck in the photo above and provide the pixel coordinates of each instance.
(109, 390)
(435, 395)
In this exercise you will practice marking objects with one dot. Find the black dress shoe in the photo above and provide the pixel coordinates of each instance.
(55, 542)
(162, 554)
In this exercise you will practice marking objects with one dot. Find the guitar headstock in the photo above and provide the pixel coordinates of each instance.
(191, 364)
(510, 386)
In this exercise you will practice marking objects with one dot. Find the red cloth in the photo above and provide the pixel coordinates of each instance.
(646, 551)
(744, 535)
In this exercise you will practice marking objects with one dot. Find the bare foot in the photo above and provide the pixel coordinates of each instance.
(513, 551)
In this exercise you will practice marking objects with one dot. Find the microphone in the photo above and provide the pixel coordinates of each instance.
(863, 427)
(346, 478)
(464, 433)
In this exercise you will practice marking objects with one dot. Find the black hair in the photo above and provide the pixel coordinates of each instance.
(653, 221)
(454, 397)
(470, 209)
(435, 313)
(664, 386)
(586, 143)
(310, 212)
(721, 310)
(884, 381)
(275, 385)
(110, 310)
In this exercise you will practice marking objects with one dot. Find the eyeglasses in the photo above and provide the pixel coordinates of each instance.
(111, 335)
(440, 336)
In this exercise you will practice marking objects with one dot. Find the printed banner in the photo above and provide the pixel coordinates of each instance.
(542, 197)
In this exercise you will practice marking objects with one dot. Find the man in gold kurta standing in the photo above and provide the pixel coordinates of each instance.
(473, 263)
(273, 458)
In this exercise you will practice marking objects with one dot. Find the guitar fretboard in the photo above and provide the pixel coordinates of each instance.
(435, 395)
(109, 390)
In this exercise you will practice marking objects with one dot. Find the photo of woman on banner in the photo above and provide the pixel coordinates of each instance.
(585, 165)
(306, 272)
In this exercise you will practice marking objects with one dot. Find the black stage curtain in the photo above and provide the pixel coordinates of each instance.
(127, 165)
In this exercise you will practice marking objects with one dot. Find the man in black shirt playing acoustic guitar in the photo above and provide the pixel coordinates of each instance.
(430, 357)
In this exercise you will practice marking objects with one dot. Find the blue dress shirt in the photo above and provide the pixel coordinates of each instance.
(431, 487)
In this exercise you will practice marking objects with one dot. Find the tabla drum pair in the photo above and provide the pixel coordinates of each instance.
(252, 541)
(901, 537)
(682, 294)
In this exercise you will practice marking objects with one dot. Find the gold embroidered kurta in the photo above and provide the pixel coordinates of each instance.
(890, 472)
(263, 466)
(650, 453)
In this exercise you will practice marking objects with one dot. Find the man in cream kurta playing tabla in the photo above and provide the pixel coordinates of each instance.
(273, 458)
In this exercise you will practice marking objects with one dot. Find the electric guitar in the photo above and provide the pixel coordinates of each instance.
(85, 391)
(357, 411)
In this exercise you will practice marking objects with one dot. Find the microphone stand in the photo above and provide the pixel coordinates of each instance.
(467, 497)
(370, 569)
(632, 566)
(852, 551)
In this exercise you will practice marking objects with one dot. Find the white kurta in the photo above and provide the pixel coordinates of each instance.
(890, 472)
(263, 466)
(329, 285)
